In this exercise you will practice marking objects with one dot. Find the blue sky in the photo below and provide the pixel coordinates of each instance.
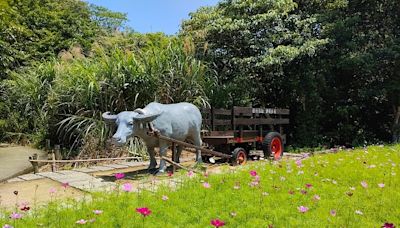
(155, 15)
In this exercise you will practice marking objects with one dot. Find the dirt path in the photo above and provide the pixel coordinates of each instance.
(14, 160)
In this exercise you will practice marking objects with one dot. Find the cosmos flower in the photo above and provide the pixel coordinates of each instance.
(206, 185)
(15, 216)
(316, 197)
(308, 185)
(143, 211)
(381, 185)
(253, 173)
(388, 225)
(81, 221)
(52, 190)
(303, 209)
(164, 197)
(364, 184)
(333, 213)
(119, 176)
(127, 187)
(65, 185)
(98, 212)
(217, 223)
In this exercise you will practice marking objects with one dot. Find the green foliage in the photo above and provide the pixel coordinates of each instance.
(335, 178)
(33, 30)
(69, 96)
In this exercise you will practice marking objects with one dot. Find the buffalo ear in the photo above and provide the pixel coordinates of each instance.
(107, 117)
(146, 117)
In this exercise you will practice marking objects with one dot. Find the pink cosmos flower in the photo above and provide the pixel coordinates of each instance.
(359, 212)
(206, 185)
(24, 206)
(299, 163)
(388, 225)
(190, 173)
(364, 184)
(333, 213)
(81, 221)
(127, 187)
(257, 178)
(15, 216)
(254, 183)
(308, 185)
(381, 185)
(303, 209)
(52, 190)
(98, 212)
(253, 173)
(165, 198)
(7, 226)
(65, 185)
(316, 197)
(119, 176)
(217, 223)
(143, 211)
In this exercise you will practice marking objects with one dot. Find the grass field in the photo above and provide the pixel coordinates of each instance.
(359, 188)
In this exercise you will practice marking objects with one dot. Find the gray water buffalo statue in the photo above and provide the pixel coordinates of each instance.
(181, 121)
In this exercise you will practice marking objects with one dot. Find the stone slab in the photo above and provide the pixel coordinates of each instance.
(31, 177)
(116, 166)
(84, 170)
(15, 179)
(100, 168)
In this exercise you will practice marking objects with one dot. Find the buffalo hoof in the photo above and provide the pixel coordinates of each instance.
(152, 170)
(160, 173)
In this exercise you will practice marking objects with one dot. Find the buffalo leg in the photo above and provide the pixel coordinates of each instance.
(153, 162)
(178, 153)
(197, 142)
(163, 153)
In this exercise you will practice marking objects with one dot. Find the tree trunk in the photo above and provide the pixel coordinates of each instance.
(396, 124)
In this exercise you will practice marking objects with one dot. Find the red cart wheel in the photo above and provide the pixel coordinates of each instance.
(239, 156)
(273, 144)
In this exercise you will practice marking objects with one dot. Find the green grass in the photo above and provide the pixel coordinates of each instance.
(331, 175)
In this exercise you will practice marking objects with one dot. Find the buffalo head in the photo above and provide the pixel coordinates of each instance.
(127, 123)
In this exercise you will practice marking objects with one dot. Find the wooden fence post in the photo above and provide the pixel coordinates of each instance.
(34, 164)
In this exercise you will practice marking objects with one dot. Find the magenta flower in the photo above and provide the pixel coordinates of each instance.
(316, 198)
(333, 213)
(308, 185)
(65, 185)
(15, 216)
(190, 173)
(206, 185)
(388, 225)
(119, 176)
(7, 226)
(381, 185)
(98, 212)
(165, 198)
(81, 221)
(217, 223)
(303, 209)
(364, 184)
(127, 187)
(253, 173)
(143, 211)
